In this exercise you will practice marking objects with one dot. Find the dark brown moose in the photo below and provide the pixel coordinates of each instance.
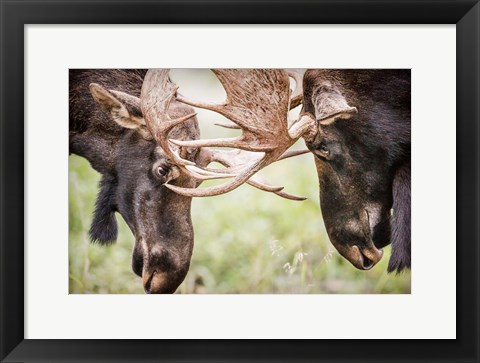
(110, 131)
(356, 123)
(362, 155)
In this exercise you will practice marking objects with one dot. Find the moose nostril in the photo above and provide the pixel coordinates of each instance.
(367, 263)
(365, 258)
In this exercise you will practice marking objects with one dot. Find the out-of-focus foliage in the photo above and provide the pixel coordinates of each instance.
(246, 241)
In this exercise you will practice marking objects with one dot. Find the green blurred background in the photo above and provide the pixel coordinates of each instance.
(246, 241)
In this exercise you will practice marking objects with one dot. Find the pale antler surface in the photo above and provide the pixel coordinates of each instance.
(258, 101)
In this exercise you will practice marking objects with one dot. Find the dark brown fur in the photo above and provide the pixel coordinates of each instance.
(363, 160)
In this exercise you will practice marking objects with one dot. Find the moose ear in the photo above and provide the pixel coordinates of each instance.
(330, 105)
(104, 228)
(121, 108)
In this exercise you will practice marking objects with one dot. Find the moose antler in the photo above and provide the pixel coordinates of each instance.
(156, 95)
(296, 97)
(257, 102)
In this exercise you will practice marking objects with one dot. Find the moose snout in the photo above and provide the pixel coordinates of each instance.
(160, 271)
(355, 239)
(156, 283)
(361, 256)
(365, 258)
(358, 248)
(162, 282)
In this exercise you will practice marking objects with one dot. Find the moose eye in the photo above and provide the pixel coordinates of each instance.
(161, 171)
(323, 151)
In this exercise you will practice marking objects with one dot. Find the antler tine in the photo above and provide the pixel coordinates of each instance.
(296, 97)
(292, 153)
(229, 158)
(228, 125)
(156, 95)
(199, 174)
(207, 174)
(233, 142)
(291, 196)
(246, 177)
(257, 182)
(220, 189)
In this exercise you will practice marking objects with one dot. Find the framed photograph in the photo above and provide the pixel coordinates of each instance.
(134, 238)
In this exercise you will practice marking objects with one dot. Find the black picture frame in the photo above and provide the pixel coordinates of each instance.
(15, 14)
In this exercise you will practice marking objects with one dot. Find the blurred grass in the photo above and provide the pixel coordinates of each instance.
(246, 241)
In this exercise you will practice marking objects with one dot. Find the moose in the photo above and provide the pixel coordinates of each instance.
(357, 124)
(142, 135)
(121, 121)
(108, 128)
(362, 156)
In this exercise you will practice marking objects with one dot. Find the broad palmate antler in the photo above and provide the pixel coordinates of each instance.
(258, 101)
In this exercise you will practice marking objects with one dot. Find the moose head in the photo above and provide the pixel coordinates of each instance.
(362, 155)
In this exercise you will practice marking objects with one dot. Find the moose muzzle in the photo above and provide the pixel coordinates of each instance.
(159, 268)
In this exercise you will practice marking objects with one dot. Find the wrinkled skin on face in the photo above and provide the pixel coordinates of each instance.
(362, 156)
(110, 132)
